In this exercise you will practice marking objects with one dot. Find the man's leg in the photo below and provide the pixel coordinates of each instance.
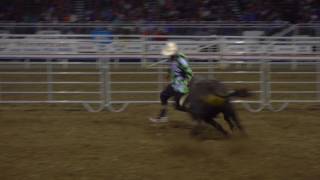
(165, 95)
(179, 102)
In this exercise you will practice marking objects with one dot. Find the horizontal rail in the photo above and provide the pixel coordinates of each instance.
(226, 57)
(137, 82)
(51, 92)
(147, 102)
(294, 82)
(49, 102)
(85, 92)
(294, 101)
(139, 73)
(296, 72)
(65, 61)
(125, 73)
(139, 102)
(53, 73)
(165, 82)
(46, 82)
(293, 92)
(152, 92)
(48, 62)
(134, 92)
(142, 73)
(121, 92)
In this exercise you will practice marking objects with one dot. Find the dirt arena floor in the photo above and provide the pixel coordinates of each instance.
(66, 142)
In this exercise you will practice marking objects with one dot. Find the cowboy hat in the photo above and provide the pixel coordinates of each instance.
(169, 49)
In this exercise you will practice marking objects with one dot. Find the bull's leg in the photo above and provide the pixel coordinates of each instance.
(235, 119)
(216, 125)
(228, 120)
(233, 116)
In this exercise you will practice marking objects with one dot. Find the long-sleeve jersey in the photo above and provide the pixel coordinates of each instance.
(181, 74)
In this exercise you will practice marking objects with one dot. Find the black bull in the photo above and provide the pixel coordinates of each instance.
(208, 98)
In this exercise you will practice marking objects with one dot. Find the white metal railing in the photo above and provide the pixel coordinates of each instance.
(101, 84)
(138, 46)
(95, 82)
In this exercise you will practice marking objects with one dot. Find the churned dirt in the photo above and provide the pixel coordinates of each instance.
(66, 142)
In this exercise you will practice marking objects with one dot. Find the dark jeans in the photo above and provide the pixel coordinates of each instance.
(169, 92)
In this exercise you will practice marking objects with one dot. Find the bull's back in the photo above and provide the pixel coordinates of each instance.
(208, 86)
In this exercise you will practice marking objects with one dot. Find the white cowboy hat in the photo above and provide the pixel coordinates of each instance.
(169, 49)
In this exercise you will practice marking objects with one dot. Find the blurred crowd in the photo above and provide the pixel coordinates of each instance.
(294, 11)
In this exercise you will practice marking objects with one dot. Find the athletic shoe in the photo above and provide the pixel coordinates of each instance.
(159, 119)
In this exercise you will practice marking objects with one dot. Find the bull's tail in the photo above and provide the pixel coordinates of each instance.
(239, 93)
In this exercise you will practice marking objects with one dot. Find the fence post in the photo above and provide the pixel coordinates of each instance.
(105, 87)
(49, 79)
(318, 80)
(103, 81)
(268, 84)
(266, 76)
(103, 67)
(265, 83)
